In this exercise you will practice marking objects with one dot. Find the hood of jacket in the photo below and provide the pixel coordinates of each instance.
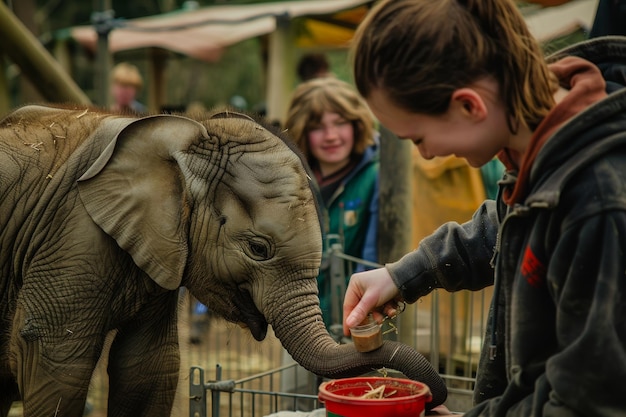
(570, 137)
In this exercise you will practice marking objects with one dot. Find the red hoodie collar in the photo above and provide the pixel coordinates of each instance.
(586, 86)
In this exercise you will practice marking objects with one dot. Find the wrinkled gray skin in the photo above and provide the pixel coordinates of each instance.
(103, 218)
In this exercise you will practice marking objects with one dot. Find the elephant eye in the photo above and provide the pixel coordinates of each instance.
(259, 249)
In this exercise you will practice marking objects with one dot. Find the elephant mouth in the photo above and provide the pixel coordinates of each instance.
(250, 316)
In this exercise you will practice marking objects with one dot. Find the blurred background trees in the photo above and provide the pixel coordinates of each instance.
(239, 72)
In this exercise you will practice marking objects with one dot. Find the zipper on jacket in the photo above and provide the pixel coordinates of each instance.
(517, 211)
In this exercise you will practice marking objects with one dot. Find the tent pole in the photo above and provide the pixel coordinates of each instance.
(280, 71)
(103, 25)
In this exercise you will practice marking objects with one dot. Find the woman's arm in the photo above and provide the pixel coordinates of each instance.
(455, 257)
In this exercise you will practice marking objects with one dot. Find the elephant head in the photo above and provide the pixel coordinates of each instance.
(222, 206)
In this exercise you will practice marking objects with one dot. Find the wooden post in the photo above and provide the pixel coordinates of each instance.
(280, 73)
(156, 82)
(103, 24)
(5, 97)
(25, 11)
(63, 56)
(395, 197)
(395, 206)
(36, 62)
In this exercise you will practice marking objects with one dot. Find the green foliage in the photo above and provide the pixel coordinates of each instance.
(577, 35)
(239, 72)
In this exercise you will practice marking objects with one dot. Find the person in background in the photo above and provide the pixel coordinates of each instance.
(334, 129)
(313, 65)
(467, 78)
(126, 83)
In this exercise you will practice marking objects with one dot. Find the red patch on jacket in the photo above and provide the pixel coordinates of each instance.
(533, 271)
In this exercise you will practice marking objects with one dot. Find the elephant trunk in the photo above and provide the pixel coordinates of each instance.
(304, 335)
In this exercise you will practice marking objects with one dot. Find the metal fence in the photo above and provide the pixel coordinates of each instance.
(257, 395)
(448, 328)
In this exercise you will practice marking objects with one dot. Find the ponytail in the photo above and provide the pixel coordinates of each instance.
(526, 85)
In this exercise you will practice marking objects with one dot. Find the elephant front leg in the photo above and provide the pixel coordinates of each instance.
(52, 372)
(144, 364)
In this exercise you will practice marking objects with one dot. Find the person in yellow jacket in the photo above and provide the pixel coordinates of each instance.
(445, 189)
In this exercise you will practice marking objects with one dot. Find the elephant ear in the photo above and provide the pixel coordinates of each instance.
(135, 192)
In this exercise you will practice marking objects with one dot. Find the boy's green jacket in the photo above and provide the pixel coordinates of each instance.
(351, 220)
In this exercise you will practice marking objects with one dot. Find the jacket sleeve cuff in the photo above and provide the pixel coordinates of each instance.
(412, 286)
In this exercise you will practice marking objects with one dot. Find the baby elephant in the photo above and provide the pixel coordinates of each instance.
(104, 217)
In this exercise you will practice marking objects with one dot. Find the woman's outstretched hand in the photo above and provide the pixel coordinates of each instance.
(369, 291)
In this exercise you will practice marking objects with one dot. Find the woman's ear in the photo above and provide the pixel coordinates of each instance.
(470, 103)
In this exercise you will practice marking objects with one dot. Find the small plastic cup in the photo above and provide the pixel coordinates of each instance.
(367, 336)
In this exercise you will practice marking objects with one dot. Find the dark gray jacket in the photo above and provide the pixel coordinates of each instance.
(559, 262)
